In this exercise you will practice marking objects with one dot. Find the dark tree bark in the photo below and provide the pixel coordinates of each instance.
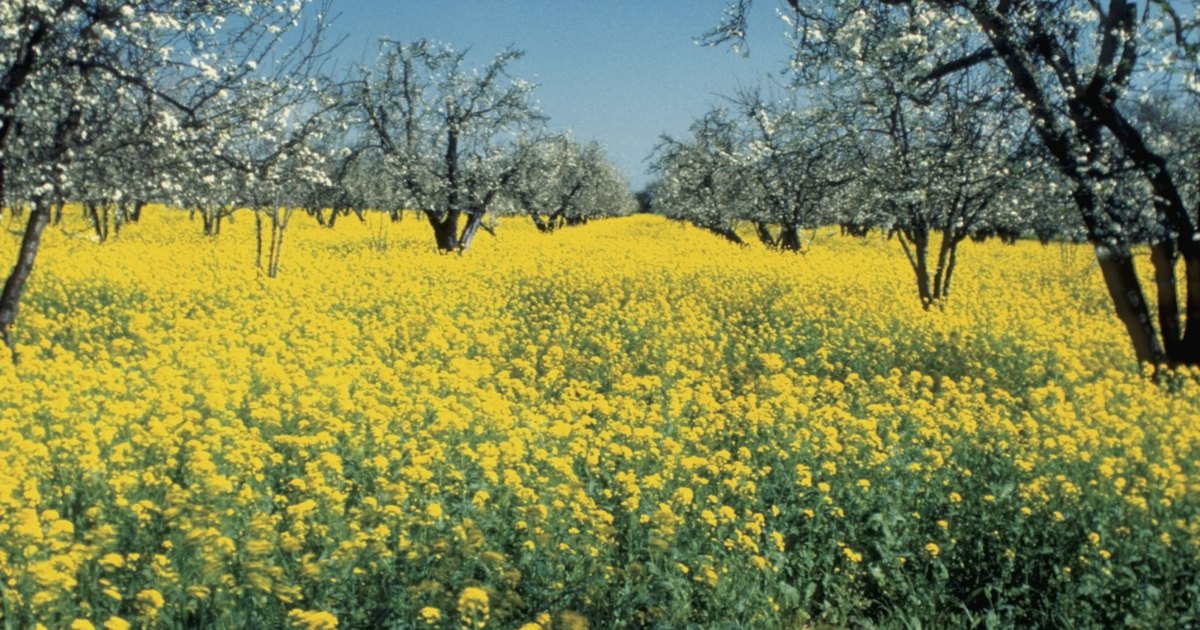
(1121, 280)
(763, 231)
(1163, 257)
(933, 289)
(1189, 347)
(947, 261)
(445, 230)
(552, 222)
(208, 219)
(212, 217)
(789, 238)
(97, 214)
(279, 219)
(258, 239)
(857, 230)
(15, 286)
(11, 83)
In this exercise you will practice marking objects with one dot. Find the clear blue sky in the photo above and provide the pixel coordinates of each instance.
(621, 72)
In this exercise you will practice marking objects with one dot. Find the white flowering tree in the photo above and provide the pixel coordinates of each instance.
(448, 133)
(769, 162)
(70, 68)
(274, 144)
(565, 182)
(796, 161)
(1077, 68)
(128, 142)
(699, 178)
(939, 158)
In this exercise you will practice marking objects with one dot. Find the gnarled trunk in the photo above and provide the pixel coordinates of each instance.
(789, 238)
(445, 230)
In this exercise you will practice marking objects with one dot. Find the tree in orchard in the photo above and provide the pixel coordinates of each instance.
(772, 162)
(793, 158)
(449, 134)
(568, 183)
(938, 159)
(274, 148)
(699, 179)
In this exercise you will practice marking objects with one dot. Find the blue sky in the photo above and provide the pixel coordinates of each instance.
(621, 72)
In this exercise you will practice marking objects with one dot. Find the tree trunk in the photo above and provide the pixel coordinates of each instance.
(947, 256)
(789, 238)
(280, 217)
(99, 221)
(922, 269)
(763, 231)
(1189, 347)
(724, 232)
(445, 230)
(474, 220)
(1115, 260)
(1163, 257)
(857, 230)
(209, 219)
(915, 243)
(1120, 277)
(950, 265)
(258, 251)
(15, 286)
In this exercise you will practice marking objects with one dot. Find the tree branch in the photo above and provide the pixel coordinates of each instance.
(980, 56)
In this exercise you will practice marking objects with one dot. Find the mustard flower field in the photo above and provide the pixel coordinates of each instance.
(627, 424)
